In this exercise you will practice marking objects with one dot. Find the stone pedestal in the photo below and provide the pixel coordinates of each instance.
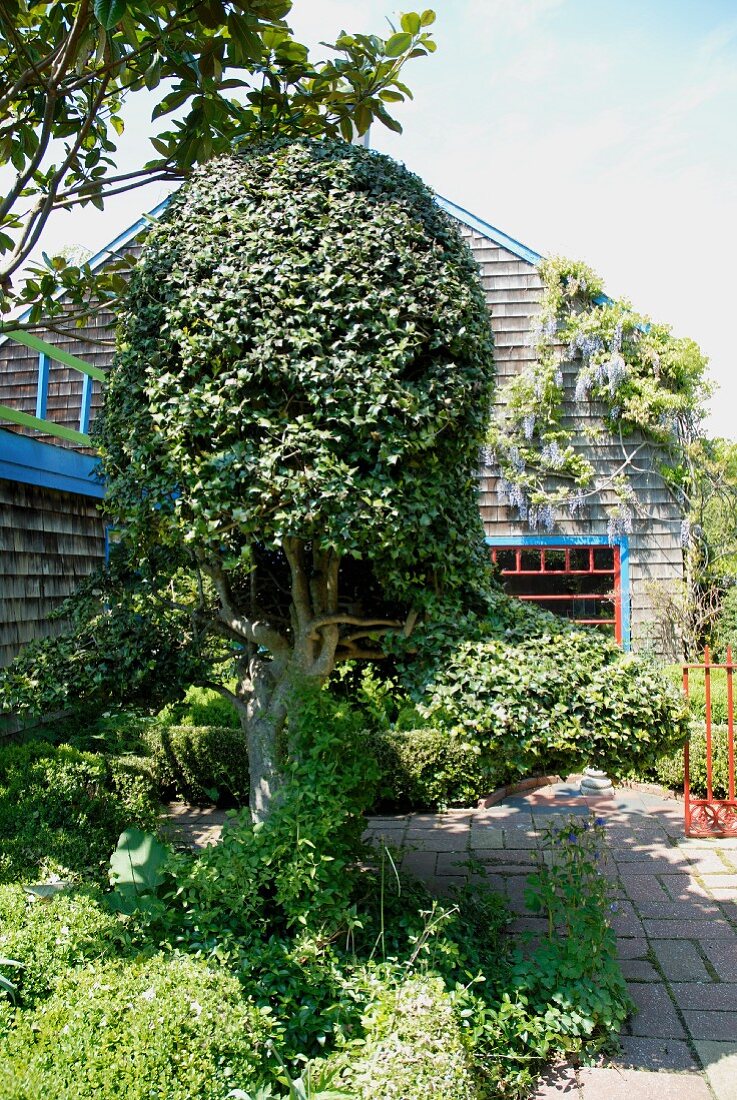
(595, 781)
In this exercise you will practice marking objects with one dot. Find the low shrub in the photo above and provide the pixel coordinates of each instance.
(165, 1026)
(61, 810)
(697, 690)
(428, 769)
(668, 769)
(54, 935)
(200, 764)
(554, 704)
(200, 707)
(413, 1046)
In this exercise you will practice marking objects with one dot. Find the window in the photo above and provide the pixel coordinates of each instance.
(582, 583)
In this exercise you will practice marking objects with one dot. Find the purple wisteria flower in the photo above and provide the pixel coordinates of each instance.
(685, 532)
(583, 385)
(552, 455)
(619, 523)
(616, 343)
(576, 504)
(528, 425)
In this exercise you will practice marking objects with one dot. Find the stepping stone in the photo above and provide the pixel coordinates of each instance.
(720, 1066)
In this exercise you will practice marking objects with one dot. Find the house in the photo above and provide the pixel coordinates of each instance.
(51, 532)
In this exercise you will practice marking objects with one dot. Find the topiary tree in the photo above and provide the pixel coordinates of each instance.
(296, 408)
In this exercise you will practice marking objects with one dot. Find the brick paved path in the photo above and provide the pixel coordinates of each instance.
(676, 929)
(676, 926)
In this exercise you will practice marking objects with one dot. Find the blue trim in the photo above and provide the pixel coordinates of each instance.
(85, 404)
(128, 234)
(32, 462)
(585, 540)
(44, 365)
(486, 230)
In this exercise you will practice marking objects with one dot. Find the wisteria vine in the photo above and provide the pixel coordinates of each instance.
(599, 360)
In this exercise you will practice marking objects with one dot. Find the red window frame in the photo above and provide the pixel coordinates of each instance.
(591, 569)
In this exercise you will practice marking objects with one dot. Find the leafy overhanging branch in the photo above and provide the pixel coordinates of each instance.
(67, 70)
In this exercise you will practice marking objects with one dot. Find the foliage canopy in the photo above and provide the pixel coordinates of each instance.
(221, 72)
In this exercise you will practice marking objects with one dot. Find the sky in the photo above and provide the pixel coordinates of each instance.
(602, 131)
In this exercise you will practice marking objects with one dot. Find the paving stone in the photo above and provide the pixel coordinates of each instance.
(639, 970)
(446, 884)
(495, 868)
(680, 961)
(657, 1017)
(642, 887)
(683, 887)
(723, 957)
(660, 853)
(639, 1084)
(716, 929)
(504, 813)
(435, 841)
(556, 1082)
(720, 1065)
(702, 1024)
(486, 836)
(659, 867)
(728, 898)
(521, 838)
(632, 947)
(451, 863)
(643, 1053)
(716, 996)
(721, 882)
(421, 864)
(623, 919)
(709, 864)
(538, 925)
(679, 910)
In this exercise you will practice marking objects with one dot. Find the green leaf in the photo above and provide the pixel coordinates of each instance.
(136, 862)
(428, 17)
(110, 12)
(398, 44)
(411, 22)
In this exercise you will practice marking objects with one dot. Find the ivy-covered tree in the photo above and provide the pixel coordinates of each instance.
(228, 71)
(296, 408)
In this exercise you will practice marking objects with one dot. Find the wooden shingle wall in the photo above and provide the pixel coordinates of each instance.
(94, 343)
(49, 541)
(513, 292)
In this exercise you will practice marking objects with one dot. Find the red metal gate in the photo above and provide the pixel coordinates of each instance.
(712, 816)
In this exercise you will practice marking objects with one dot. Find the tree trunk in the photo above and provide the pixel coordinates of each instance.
(263, 714)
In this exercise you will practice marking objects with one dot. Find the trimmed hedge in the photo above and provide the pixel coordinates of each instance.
(200, 707)
(201, 764)
(53, 936)
(428, 769)
(166, 1026)
(555, 704)
(668, 769)
(62, 810)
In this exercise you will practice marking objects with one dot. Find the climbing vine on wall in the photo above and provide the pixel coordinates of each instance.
(600, 360)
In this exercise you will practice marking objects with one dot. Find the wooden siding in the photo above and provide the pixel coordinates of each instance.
(513, 292)
(93, 342)
(49, 541)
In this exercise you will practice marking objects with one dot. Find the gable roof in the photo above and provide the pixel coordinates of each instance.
(457, 212)
(486, 230)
